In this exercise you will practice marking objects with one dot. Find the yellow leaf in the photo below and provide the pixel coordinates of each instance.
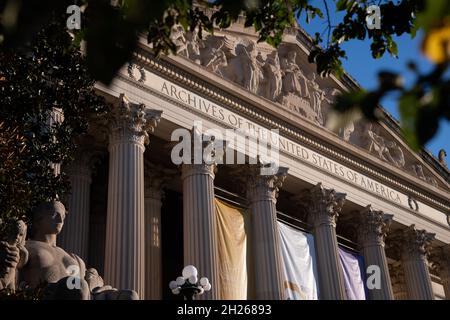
(436, 45)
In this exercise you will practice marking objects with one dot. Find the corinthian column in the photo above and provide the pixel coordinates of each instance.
(414, 251)
(128, 125)
(199, 218)
(262, 192)
(398, 281)
(372, 229)
(74, 237)
(56, 116)
(441, 259)
(199, 223)
(155, 179)
(323, 207)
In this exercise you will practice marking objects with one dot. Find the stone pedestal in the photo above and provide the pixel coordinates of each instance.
(323, 207)
(262, 192)
(372, 228)
(125, 226)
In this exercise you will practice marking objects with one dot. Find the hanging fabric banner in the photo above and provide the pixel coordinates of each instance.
(299, 261)
(352, 266)
(232, 243)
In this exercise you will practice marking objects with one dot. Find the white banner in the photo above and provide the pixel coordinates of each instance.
(299, 261)
(352, 265)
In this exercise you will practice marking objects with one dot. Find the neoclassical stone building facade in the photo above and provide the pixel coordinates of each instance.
(139, 218)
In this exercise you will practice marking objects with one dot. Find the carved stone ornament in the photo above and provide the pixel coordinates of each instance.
(136, 72)
(278, 75)
(373, 226)
(413, 203)
(412, 243)
(323, 205)
(258, 186)
(131, 122)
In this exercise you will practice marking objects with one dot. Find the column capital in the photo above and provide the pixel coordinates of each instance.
(322, 205)
(198, 169)
(197, 147)
(440, 260)
(261, 187)
(413, 243)
(130, 122)
(372, 226)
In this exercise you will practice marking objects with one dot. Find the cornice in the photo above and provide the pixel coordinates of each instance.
(321, 141)
(305, 40)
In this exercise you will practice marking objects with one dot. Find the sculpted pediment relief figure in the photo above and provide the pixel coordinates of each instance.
(283, 76)
(273, 74)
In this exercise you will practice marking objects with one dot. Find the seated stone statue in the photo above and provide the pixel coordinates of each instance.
(14, 252)
(46, 263)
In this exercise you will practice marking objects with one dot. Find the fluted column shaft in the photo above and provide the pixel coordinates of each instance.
(97, 237)
(415, 264)
(324, 206)
(445, 278)
(398, 282)
(124, 253)
(153, 262)
(372, 229)
(74, 237)
(417, 276)
(56, 116)
(441, 261)
(330, 273)
(124, 258)
(199, 223)
(262, 191)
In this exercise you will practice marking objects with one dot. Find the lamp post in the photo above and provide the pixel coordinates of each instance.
(188, 284)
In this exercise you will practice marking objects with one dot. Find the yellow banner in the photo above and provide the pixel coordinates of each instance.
(232, 243)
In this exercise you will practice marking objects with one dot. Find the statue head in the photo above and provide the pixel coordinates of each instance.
(291, 56)
(48, 217)
(17, 233)
(391, 144)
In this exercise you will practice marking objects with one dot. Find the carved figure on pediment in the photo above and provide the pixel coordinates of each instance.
(179, 40)
(317, 98)
(396, 155)
(417, 170)
(346, 132)
(361, 137)
(273, 79)
(376, 144)
(294, 80)
(213, 55)
(442, 155)
(193, 46)
(244, 68)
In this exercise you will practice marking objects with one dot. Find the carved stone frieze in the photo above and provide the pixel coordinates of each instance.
(322, 205)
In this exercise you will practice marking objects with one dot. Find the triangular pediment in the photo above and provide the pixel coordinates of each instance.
(284, 77)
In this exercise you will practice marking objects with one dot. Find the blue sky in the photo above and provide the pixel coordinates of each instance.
(364, 69)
